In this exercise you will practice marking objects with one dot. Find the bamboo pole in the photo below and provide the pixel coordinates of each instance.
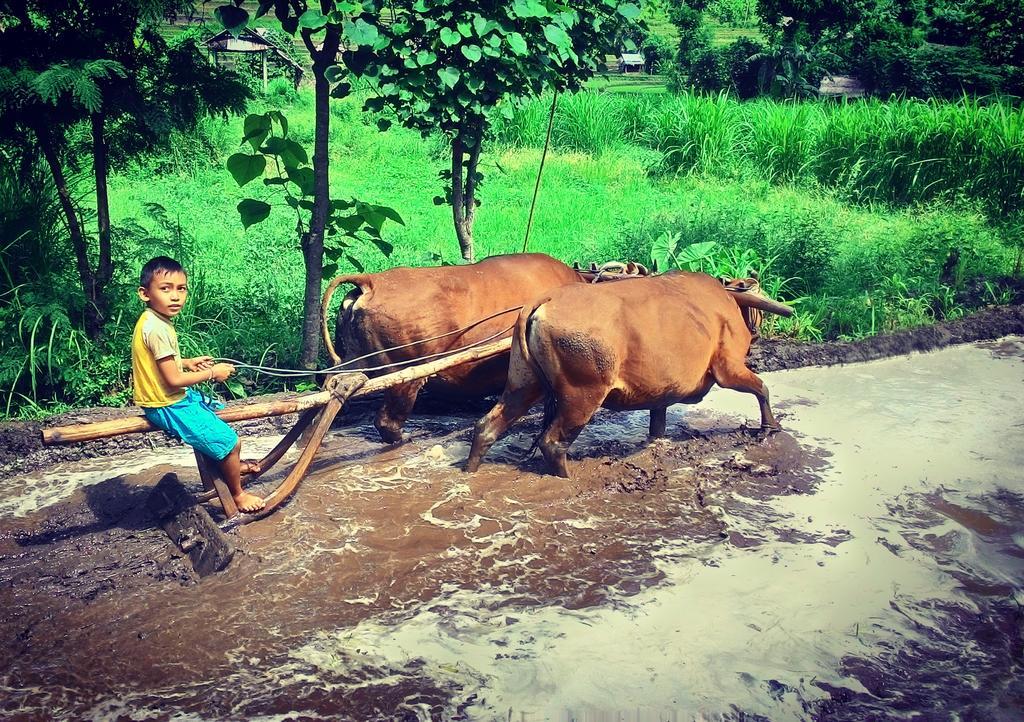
(139, 424)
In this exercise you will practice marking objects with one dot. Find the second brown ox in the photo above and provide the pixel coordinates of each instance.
(403, 306)
(645, 344)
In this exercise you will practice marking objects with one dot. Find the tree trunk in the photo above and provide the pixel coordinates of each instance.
(105, 265)
(313, 240)
(93, 322)
(464, 189)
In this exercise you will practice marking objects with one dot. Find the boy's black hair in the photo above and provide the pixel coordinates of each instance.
(159, 264)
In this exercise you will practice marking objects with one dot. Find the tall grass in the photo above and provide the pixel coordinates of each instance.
(898, 152)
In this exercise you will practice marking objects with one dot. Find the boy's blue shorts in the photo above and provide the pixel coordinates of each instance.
(192, 420)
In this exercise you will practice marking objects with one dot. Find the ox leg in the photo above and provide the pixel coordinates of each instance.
(489, 429)
(733, 374)
(657, 426)
(571, 415)
(398, 403)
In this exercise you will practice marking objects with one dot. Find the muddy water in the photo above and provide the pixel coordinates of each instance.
(865, 563)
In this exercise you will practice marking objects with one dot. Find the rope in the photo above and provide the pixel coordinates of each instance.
(540, 169)
(336, 369)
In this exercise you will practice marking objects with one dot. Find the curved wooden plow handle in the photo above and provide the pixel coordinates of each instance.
(341, 388)
(275, 454)
(266, 463)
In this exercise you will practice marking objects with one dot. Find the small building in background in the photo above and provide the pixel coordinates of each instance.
(631, 62)
(841, 86)
(253, 40)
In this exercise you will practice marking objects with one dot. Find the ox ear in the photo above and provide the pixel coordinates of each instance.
(753, 274)
(630, 269)
(575, 265)
(724, 280)
(642, 270)
(593, 267)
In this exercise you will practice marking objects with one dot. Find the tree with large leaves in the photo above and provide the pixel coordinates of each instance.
(71, 62)
(321, 26)
(450, 65)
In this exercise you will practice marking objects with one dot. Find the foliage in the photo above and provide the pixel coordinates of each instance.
(66, 64)
(450, 65)
(292, 178)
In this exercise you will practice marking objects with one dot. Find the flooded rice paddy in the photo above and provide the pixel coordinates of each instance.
(866, 563)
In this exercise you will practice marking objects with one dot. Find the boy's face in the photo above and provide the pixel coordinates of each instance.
(166, 292)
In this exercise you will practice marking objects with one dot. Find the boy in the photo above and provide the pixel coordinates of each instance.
(161, 378)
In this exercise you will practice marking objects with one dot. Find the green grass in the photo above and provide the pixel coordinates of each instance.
(722, 35)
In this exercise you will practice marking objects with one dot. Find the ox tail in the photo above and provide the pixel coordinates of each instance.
(361, 280)
(550, 404)
(748, 299)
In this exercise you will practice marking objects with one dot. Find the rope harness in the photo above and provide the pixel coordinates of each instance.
(338, 368)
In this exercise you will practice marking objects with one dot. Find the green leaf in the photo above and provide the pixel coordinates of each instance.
(303, 178)
(557, 37)
(244, 167)
(529, 9)
(425, 57)
(334, 73)
(482, 25)
(355, 262)
(235, 387)
(312, 19)
(232, 18)
(282, 121)
(517, 43)
(450, 37)
(439, 201)
(385, 247)
(449, 76)
(290, 152)
(391, 213)
(351, 223)
(629, 11)
(472, 52)
(341, 90)
(253, 211)
(256, 128)
(383, 124)
(360, 32)
(331, 269)
(465, 30)
(290, 24)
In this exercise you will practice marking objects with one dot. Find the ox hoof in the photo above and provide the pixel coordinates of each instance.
(389, 436)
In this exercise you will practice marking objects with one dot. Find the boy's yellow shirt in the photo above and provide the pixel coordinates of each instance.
(154, 339)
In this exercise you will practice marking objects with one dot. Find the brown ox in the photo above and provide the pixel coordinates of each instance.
(645, 344)
(402, 306)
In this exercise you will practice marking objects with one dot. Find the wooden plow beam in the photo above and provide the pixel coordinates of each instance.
(322, 407)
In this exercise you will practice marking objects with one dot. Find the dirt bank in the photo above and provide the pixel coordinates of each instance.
(21, 448)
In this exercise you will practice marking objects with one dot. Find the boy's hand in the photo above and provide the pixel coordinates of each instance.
(200, 363)
(222, 371)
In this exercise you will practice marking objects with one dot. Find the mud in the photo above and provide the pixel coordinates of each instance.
(866, 563)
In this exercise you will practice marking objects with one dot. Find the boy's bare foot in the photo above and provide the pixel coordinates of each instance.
(249, 467)
(249, 502)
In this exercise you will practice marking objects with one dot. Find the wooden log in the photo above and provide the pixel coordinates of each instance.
(189, 526)
(138, 424)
